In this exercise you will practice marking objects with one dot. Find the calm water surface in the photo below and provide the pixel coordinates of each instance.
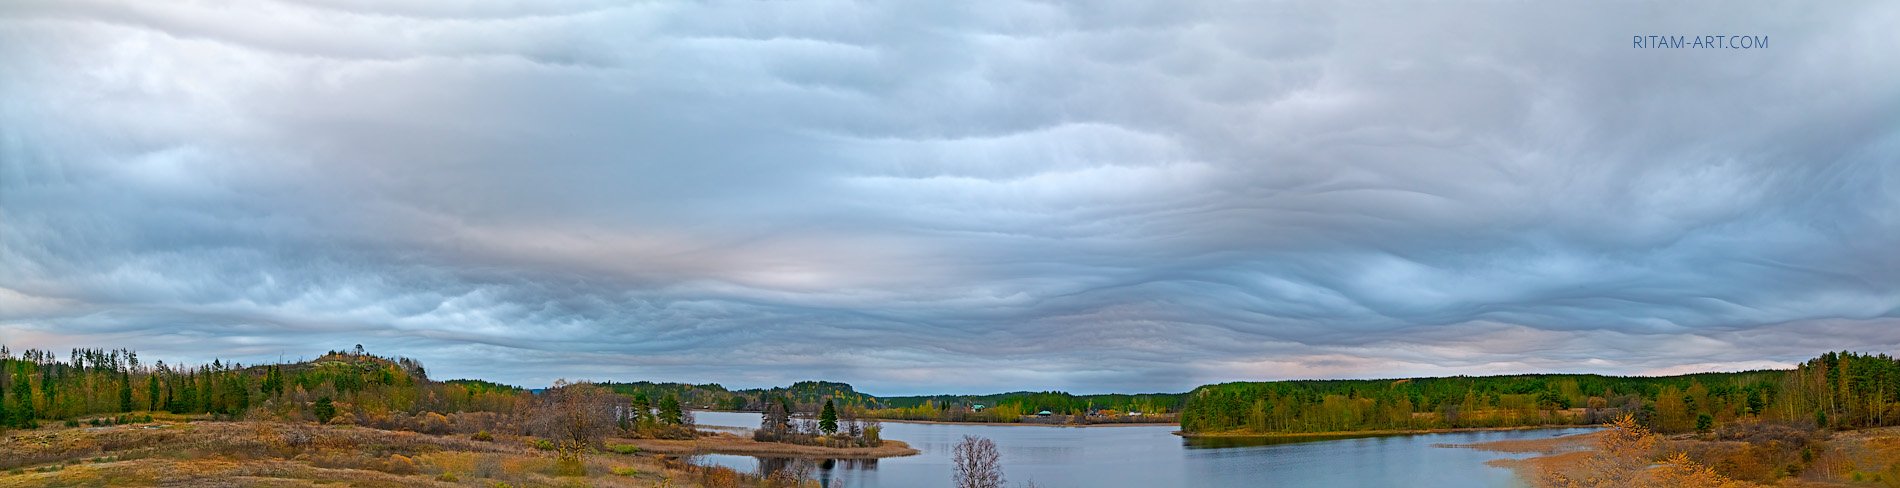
(1061, 457)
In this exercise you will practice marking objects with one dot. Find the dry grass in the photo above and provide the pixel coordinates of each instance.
(1533, 468)
(1740, 455)
(1548, 445)
(253, 453)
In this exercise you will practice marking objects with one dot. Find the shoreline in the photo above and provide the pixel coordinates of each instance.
(1033, 424)
(1369, 433)
(950, 422)
(723, 443)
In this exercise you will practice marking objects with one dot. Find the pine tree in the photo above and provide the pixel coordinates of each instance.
(125, 391)
(670, 410)
(23, 396)
(6, 417)
(828, 418)
(642, 407)
(151, 391)
(325, 409)
(273, 381)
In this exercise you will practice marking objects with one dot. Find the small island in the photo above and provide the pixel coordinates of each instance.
(829, 433)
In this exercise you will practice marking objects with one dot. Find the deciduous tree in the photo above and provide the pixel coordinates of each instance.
(977, 463)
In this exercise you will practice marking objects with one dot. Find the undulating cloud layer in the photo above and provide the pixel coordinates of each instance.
(952, 196)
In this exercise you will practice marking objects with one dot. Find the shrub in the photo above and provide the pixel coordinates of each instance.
(569, 463)
(487, 466)
(325, 409)
(482, 436)
(432, 423)
(400, 464)
(447, 477)
(624, 448)
(625, 471)
(542, 444)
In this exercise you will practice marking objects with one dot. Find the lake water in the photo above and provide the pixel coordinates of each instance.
(1063, 457)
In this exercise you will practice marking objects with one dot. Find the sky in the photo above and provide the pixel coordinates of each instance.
(924, 197)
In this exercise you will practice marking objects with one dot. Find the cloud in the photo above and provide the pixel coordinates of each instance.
(999, 196)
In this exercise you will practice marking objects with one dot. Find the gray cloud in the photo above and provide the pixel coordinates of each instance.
(966, 197)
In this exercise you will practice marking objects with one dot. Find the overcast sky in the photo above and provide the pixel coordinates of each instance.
(920, 197)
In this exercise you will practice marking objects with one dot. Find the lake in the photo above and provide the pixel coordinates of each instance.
(1151, 456)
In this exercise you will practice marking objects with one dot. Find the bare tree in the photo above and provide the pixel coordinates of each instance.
(577, 414)
(978, 464)
(774, 423)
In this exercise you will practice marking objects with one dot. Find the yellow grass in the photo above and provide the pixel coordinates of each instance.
(1868, 457)
(1362, 433)
(295, 455)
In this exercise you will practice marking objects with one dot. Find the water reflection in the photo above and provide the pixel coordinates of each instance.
(1232, 442)
(1152, 456)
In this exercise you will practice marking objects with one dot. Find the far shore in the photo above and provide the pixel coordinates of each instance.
(1032, 424)
(948, 422)
(1365, 433)
(723, 443)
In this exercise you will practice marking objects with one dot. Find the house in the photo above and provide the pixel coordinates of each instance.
(1044, 413)
(976, 407)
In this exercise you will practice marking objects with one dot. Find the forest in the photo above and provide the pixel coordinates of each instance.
(339, 387)
(1835, 390)
(807, 396)
(1011, 407)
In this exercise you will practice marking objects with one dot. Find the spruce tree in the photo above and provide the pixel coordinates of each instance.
(23, 394)
(151, 392)
(325, 409)
(125, 391)
(828, 418)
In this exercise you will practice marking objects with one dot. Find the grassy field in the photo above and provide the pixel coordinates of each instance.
(1741, 456)
(176, 451)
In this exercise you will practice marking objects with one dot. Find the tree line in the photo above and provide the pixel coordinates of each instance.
(339, 387)
(804, 395)
(1012, 406)
(1835, 390)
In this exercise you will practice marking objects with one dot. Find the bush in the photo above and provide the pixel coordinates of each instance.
(432, 423)
(482, 436)
(400, 464)
(569, 463)
(447, 477)
(487, 466)
(624, 448)
(325, 409)
(542, 444)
